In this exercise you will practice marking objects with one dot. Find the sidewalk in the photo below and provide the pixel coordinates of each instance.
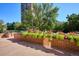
(12, 47)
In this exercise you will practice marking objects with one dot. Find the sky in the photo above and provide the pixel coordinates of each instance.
(11, 12)
(66, 9)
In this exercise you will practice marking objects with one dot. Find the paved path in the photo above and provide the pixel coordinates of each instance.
(12, 47)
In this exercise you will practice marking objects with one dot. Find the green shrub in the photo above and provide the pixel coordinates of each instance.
(70, 37)
(58, 36)
(35, 35)
(28, 34)
(50, 36)
(24, 33)
(61, 37)
(77, 39)
(54, 36)
(77, 42)
(41, 35)
(45, 35)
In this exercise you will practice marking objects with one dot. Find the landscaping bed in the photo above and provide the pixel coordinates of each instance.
(65, 44)
(20, 37)
(64, 41)
(6, 35)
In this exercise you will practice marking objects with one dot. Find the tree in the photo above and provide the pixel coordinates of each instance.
(2, 26)
(41, 16)
(17, 25)
(11, 26)
(59, 26)
(73, 22)
(65, 27)
(20, 26)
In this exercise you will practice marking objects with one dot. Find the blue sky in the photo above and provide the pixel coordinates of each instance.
(65, 9)
(10, 12)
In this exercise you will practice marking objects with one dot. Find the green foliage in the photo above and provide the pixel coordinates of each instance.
(24, 33)
(70, 37)
(54, 36)
(59, 36)
(41, 35)
(58, 27)
(35, 35)
(76, 37)
(10, 26)
(44, 35)
(2, 26)
(16, 26)
(50, 37)
(73, 22)
(65, 27)
(40, 16)
(77, 43)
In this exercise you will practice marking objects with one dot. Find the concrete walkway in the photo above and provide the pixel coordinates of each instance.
(12, 47)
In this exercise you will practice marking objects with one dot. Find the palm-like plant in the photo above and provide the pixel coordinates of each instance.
(42, 16)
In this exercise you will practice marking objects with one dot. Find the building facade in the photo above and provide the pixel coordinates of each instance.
(24, 6)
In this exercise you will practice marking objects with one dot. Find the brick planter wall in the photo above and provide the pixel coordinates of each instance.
(62, 44)
(18, 36)
(28, 39)
(73, 46)
(33, 40)
(46, 42)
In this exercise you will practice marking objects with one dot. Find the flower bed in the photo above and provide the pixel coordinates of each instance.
(28, 38)
(32, 37)
(67, 42)
(63, 41)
